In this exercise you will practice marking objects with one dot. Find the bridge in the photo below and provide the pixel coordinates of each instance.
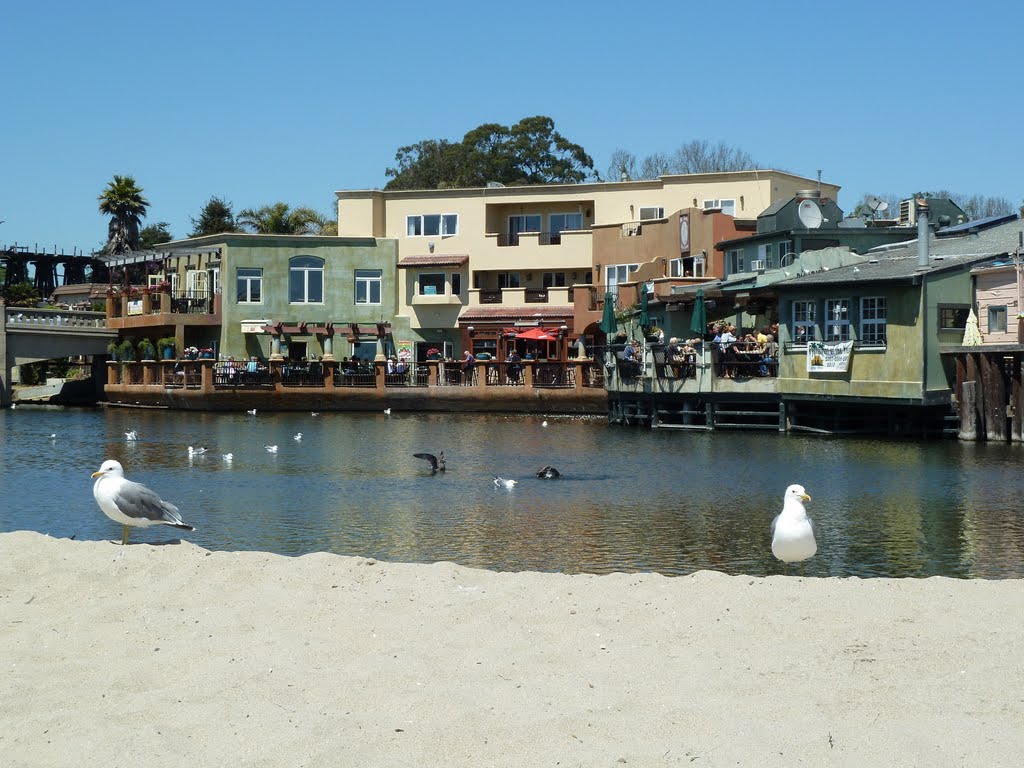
(33, 335)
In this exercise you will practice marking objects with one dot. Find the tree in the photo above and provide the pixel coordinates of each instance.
(700, 156)
(21, 295)
(215, 217)
(622, 166)
(122, 200)
(655, 165)
(279, 219)
(529, 152)
(891, 211)
(154, 234)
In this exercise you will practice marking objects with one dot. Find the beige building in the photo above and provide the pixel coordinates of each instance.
(494, 257)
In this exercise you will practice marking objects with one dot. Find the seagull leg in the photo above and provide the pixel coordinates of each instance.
(785, 568)
(802, 569)
(124, 535)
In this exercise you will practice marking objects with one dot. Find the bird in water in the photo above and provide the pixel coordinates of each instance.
(131, 504)
(387, 411)
(251, 411)
(548, 473)
(314, 413)
(131, 435)
(298, 437)
(501, 482)
(228, 457)
(792, 532)
(436, 462)
(196, 451)
(271, 448)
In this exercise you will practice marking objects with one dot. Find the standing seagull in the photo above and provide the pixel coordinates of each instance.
(436, 462)
(131, 504)
(792, 534)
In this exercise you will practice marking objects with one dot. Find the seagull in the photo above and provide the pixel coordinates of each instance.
(53, 436)
(387, 411)
(298, 437)
(131, 434)
(548, 473)
(315, 413)
(544, 423)
(436, 462)
(251, 412)
(856, 269)
(792, 533)
(131, 504)
(196, 451)
(271, 448)
(228, 457)
(501, 482)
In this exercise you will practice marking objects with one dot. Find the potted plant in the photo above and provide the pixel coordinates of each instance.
(147, 349)
(206, 353)
(114, 349)
(433, 354)
(167, 345)
(191, 353)
(126, 352)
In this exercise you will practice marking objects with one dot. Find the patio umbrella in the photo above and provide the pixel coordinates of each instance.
(536, 334)
(645, 319)
(699, 321)
(608, 324)
(972, 334)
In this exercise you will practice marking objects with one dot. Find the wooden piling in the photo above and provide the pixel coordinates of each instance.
(968, 411)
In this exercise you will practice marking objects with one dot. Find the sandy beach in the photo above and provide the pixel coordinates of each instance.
(172, 655)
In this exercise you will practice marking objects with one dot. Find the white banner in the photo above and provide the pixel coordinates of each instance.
(828, 358)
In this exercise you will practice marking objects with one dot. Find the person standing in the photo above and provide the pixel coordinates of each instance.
(468, 362)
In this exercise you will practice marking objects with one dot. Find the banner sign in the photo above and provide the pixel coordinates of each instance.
(404, 350)
(828, 358)
(135, 307)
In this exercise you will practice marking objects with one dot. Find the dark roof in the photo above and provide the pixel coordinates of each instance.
(885, 269)
(983, 223)
(450, 260)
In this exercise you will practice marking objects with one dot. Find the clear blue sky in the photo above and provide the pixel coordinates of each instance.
(260, 102)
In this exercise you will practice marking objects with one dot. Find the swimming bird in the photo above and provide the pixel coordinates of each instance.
(436, 462)
(298, 437)
(131, 434)
(387, 411)
(548, 473)
(251, 411)
(131, 504)
(271, 448)
(544, 423)
(501, 482)
(792, 532)
(315, 413)
(196, 451)
(228, 457)
(53, 435)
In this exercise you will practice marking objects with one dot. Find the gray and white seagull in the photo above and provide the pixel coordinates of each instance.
(133, 505)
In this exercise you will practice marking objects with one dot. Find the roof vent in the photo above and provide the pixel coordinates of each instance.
(872, 261)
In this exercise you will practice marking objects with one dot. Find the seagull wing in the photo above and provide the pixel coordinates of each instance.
(137, 501)
(774, 523)
(427, 457)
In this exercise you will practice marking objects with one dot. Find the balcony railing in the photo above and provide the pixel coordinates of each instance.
(543, 238)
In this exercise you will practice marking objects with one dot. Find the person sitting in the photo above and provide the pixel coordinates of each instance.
(630, 361)
(515, 367)
(769, 356)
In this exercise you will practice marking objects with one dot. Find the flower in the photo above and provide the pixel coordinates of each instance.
(191, 351)
(205, 351)
(433, 351)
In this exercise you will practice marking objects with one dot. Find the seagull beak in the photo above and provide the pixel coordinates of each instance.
(805, 497)
(97, 473)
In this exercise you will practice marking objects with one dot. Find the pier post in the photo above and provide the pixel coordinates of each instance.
(1016, 404)
(206, 377)
(995, 398)
(328, 367)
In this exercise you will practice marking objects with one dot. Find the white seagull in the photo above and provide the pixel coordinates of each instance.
(500, 482)
(271, 448)
(251, 411)
(131, 434)
(53, 435)
(314, 413)
(387, 411)
(228, 457)
(792, 534)
(544, 423)
(196, 451)
(131, 504)
(298, 436)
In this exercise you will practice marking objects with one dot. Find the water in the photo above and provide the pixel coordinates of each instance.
(629, 500)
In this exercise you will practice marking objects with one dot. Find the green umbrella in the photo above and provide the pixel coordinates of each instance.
(644, 319)
(608, 324)
(699, 321)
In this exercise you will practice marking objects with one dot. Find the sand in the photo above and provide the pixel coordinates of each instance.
(176, 656)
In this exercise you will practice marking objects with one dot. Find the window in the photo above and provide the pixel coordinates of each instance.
(508, 280)
(618, 273)
(675, 268)
(559, 222)
(734, 262)
(456, 284)
(431, 284)
(553, 280)
(305, 280)
(195, 282)
(152, 280)
(837, 320)
(804, 321)
(873, 320)
(727, 206)
(651, 212)
(249, 284)
(786, 253)
(368, 282)
(432, 225)
(525, 223)
(997, 319)
(764, 255)
(953, 318)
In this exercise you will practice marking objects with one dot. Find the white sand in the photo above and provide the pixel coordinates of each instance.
(175, 656)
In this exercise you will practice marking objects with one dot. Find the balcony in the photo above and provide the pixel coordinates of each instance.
(151, 308)
(517, 297)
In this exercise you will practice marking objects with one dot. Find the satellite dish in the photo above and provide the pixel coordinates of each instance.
(810, 214)
(876, 204)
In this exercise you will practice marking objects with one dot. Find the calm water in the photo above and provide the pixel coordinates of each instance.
(630, 499)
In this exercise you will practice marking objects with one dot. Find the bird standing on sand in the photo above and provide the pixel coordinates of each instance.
(501, 482)
(131, 504)
(548, 473)
(792, 533)
(436, 462)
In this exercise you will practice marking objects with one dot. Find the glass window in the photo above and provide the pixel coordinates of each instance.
(651, 212)
(508, 280)
(563, 221)
(804, 321)
(873, 321)
(553, 280)
(726, 206)
(953, 318)
(431, 284)
(786, 254)
(456, 284)
(306, 280)
(837, 320)
(734, 261)
(675, 268)
(432, 225)
(249, 283)
(997, 319)
(368, 284)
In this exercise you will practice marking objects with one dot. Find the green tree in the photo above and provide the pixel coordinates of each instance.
(529, 152)
(154, 234)
(215, 217)
(21, 295)
(279, 219)
(122, 200)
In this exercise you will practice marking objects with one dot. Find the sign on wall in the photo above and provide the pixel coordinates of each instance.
(403, 349)
(823, 357)
(135, 307)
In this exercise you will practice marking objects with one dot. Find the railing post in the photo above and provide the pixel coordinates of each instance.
(528, 374)
(147, 374)
(433, 372)
(147, 302)
(577, 373)
(206, 377)
(328, 368)
(276, 368)
(111, 373)
(379, 369)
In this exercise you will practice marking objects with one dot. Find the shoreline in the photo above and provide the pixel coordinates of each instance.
(171, 654)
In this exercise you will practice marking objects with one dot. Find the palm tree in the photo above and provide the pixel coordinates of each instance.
(122, 200)
(279, 219)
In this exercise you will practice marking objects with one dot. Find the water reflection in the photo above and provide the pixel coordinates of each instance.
(629, 499)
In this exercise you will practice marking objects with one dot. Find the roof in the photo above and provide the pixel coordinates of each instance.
(450, 260)
(534, 312)
(979, 224)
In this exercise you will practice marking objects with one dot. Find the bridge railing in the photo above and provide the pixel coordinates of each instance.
(25, 317)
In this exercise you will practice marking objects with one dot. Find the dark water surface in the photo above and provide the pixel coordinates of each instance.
(630, 499)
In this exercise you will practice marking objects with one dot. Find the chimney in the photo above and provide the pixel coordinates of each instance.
(922, 233)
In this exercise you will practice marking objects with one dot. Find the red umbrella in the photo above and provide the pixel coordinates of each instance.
(535, 334)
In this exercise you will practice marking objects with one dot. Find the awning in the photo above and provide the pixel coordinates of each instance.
(450, 260)
(533, 334)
